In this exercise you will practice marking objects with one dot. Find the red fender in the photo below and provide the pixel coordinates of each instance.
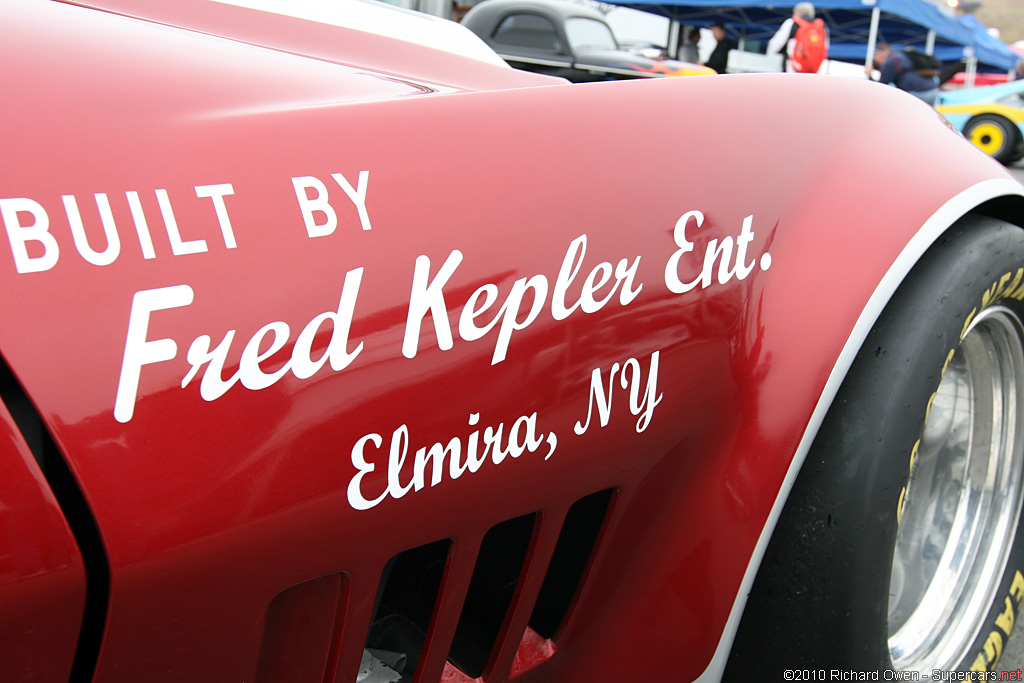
(319, 270)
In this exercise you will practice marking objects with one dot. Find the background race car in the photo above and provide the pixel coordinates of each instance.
(566, 40)
(992, 117)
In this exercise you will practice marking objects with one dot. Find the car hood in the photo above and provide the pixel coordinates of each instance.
(347, 34)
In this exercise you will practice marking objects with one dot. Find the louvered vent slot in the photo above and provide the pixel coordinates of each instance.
(491, 589)
(572, 555)
(405, 602)
(301, 631)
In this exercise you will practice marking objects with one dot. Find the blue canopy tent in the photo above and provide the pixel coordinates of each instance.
(855, 26)
(986, 42)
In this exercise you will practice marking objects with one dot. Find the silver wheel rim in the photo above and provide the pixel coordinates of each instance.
(961, 506)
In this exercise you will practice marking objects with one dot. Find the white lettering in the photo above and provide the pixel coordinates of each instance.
(178, 247)
(429, 298)
(108, 255)
(468, 328)
(249, 371)
(600, 397)
(137, 350)
(301, 364)
(37, 231)
(396, 460)
(357, 195)
(519, 442)
(310, 205)
(436, 454)
(355, 491)
(213, 384)
(566, 274)
(217, 194)
(625, 272)
(743, 269)
(510, 319)
(141, 227)
(522, 438)
(720, 252)
(321, 202)
(672, 280)
(473, 460)
(595, 280)
(337, 349)
(211, 362)
(642, 407)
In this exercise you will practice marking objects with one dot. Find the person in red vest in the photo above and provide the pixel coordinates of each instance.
(801, 40)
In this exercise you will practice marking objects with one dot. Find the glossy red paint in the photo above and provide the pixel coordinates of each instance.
(42, 579)
(211, 509)
(534, 649)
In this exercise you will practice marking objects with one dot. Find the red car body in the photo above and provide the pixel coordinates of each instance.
(257, 263)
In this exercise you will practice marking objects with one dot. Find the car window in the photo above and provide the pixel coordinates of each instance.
(1014, 100)
(589, 33)
(528, 30)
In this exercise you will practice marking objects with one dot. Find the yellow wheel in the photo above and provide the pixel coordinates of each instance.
(994, 135)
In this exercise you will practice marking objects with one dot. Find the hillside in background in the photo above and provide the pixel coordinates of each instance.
(1005, 15)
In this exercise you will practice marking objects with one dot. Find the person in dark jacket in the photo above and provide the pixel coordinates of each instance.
(719, 58)
(894, 66)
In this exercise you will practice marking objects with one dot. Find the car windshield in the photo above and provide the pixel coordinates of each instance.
(1014, 100)
(589, 33)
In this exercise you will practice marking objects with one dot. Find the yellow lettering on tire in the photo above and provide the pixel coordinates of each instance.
(1017, 588)
(993, 648)
(1005, 620)
(949, 358)
(967, 322)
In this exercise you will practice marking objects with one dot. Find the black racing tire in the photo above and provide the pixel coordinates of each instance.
(995, 135)
(821, 597)
(1018, 153)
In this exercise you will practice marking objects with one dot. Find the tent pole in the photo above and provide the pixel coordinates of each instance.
(674, 27)
(869, 59)
(929, 44)
(972, 65)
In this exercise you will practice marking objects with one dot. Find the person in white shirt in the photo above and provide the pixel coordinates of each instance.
(688, 50)
(783, 40)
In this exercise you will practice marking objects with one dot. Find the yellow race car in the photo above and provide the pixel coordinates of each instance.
(992, 117)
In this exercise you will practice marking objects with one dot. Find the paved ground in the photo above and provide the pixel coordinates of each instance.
(1018, 170)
